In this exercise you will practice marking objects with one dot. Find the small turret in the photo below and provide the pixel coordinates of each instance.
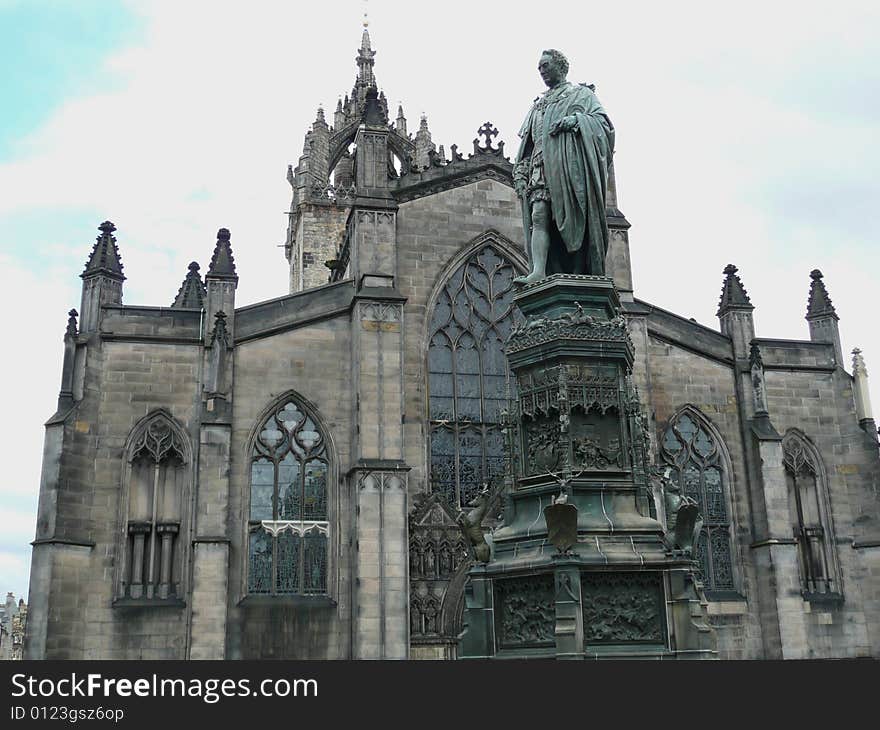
(102, 278)
(339, 115)
(821, 317)
(424, 145)
(220, 284)
(735, 313)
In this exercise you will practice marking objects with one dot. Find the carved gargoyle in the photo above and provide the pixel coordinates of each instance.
(683, 519)
(471, 525)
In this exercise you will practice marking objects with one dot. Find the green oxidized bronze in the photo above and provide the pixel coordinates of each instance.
(561, 176)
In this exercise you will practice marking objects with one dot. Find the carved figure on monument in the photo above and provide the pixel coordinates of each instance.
(561, 176)
(471, 525)
(683, 519)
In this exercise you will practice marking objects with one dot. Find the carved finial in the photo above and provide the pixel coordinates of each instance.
(858, 363)
(819, 303)
(105, 256)
(755, 358)
(733, 293)
(71, 330)
(220, 333)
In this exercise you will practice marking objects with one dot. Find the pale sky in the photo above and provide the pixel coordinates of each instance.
(747, 133)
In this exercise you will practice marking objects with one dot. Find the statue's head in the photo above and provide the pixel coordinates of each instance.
(553, 67)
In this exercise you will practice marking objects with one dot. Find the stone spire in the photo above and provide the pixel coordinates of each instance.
(191, 294)
(222, 262)
(105, 256)
(819, 303)
(365, 59)
(733, 293)
(821, 317)
(735, 313)
(339, 115)
(861, 395)
(400, 125)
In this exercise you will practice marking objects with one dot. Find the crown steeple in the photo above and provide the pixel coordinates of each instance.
(365, 58)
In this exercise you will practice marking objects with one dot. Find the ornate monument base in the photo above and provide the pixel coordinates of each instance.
(595, 574)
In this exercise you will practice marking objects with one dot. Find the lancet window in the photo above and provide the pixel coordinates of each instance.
(692, 451)
(809, 515)
(468, 377)
(158, 486)
(288, 527)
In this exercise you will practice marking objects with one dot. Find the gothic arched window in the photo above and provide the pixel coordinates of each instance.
(693, 454)
(287, 524)
(810, 515)
(468, 374)
(158, 478)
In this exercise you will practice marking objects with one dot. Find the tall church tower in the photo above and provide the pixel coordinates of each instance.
(354, 158)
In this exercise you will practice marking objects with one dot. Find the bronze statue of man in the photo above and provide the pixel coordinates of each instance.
(561, 176)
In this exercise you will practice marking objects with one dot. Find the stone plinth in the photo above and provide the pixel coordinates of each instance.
(576, 433)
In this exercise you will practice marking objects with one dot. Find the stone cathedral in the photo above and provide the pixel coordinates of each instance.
(288, 479)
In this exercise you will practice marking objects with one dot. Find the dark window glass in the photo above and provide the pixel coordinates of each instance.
(693, 455)
(288, 525)
(468, 374)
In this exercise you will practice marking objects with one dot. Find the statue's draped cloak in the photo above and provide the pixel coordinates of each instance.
(576, 172)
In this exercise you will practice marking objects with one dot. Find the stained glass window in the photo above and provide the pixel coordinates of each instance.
(693, 455)
(288, 527)
(468, 374)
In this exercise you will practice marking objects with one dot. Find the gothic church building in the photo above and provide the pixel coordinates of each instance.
(282, 480)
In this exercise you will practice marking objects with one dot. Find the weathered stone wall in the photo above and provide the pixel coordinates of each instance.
(320, 229)
(820, 404)
(315, 363)
(123, 382)
(676, 377)
(431, 232)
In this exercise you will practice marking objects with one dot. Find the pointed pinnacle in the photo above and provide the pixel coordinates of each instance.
(222, 262)
(191, 294)
(105, 256)
(733, 293)
(819, 303)
(71, 323)
(858, 363)
(755, 355)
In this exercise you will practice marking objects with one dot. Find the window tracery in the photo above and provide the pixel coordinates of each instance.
(468, 377)
(288, 528)
(810, 520)
(693, 454)
(158, 482)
